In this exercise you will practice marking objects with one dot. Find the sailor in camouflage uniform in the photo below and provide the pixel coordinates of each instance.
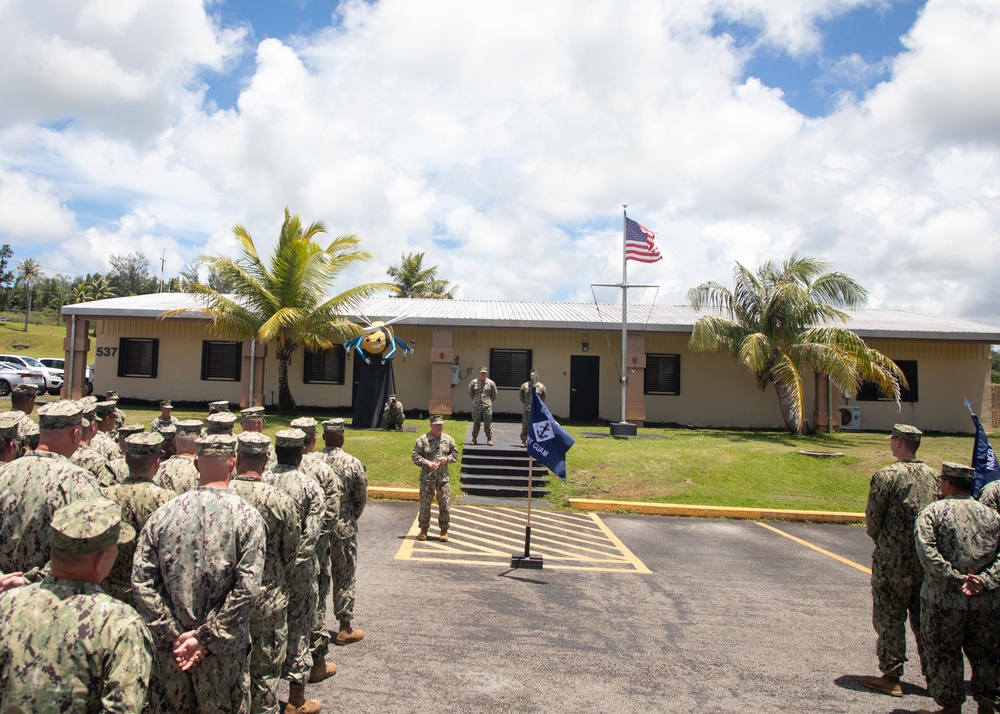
(22, 401)
(196, 576)
(393, 415)
(65, 646)
(989, 496)
(432, 453)
(897, 494)
(302, 585)
(353, 479)
(314, 465)
(178, 473)
(217, 407)
(268, 624)
(104, 440)
(112, 396)
(220, 423)
(252, 420)
(119, 466)
(138, 497)
(524, 394)
(34, 486)
(165, 417)
(958, 543)
(482, 392)
(85, 456)
(9, 446)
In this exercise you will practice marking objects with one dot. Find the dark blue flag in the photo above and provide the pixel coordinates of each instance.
(547, 441)
(984, 461)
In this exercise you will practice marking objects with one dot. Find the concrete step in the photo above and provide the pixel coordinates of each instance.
(537, 481)
(504, 491)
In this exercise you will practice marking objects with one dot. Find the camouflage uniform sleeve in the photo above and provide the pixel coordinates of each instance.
(148, 588)
(877, 505)
(523, 393)
(128, 666)
(472, 389)
(540, 391)
(934, 564)
(359, 489)
(313, 528)
(330, 484)
(291, 534)
(492, 389)
(990, 496)
(452, 450)
(419, 449)
(221, 632)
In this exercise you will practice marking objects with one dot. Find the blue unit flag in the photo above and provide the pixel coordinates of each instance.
(547, 441)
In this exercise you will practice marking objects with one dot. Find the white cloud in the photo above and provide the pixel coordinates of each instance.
(31, 211)
(502, 140)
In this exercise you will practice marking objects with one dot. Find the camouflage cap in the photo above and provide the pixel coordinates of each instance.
(436, 419)
(165, 404)
(126, 430)
(907, 433)
(89, 525)
(105, 408)
(144, 444)
(167, 431)
(220, 406)
(89, 399)
(30, 390)
(392, 396)
(217, 445)
(8, 425)
(111, 394)
(333, 425)
(60, 415)
(252, 413)
(306, 424)
(220, 422)
(188, 426)
(252, 443)
(957, 472)
(483, 369)
(290, 438)
(31, 432)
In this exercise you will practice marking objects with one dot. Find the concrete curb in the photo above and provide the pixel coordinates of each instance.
(665, 509)
(677, 509)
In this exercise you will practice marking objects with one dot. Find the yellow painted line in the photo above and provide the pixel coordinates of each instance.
(398, 494)
(752, 514)
(517, 539)
(639, 566)
(549, 524)
(807, 544)
(537, 534)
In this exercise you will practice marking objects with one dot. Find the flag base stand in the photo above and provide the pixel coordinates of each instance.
(623, 428)
(533, 562)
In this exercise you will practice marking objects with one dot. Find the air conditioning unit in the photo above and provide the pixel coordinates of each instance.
(850, 418)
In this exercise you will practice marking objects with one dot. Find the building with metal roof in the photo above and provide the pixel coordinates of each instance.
(575, 346)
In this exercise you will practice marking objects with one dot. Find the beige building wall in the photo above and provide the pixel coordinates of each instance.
(715, 390)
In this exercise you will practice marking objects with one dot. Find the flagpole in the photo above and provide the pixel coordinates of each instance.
(527, 528)
(624, 379)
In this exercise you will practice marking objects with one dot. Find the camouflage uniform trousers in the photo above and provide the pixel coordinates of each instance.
(344, 563)
(319, 643)
(892, 600)
(947, 631)
(393, 418)
(302, 598)
(219, 683)
(525, 411)
(430, 484)
(269, 635)
(482, 413)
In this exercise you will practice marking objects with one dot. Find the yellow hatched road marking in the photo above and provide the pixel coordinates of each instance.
(807, 544)
(489, 535)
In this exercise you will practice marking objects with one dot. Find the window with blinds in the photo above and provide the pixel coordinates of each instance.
(663, 374)
(137, 357)
(221, 361)
(911, 393)
(510, 368)
(326, 367)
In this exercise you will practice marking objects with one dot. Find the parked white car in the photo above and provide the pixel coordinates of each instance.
(13, 374)
(59, 363)
(53, 377)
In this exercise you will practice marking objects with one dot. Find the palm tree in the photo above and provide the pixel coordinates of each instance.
(285, 303)
(780, 323)
(29, 272)
(413, 280)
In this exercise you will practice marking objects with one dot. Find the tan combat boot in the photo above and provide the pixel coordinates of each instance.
(297, 702)
(886, 684)
(422, 535)
(489, 442)
(321, 669)
(347, 634)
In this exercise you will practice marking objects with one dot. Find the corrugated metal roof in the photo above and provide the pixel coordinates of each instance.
(548, 315)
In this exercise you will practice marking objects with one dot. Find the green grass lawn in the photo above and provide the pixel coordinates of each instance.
(712, 467)
(39, 341)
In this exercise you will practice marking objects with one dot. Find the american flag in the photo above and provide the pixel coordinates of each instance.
(639, 245)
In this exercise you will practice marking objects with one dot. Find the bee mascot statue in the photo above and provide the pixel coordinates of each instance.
(376, 346)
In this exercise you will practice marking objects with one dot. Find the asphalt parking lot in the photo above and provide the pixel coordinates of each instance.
(732, 616)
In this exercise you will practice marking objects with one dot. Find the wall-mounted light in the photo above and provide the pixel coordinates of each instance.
(585, 347)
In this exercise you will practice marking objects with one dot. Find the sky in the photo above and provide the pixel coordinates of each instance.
(503, 139)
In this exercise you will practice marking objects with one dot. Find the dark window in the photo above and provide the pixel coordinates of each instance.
(663, 374)
(510, 368)
(221, 361)
(326, 367)
(137, 357)
(869, 392)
